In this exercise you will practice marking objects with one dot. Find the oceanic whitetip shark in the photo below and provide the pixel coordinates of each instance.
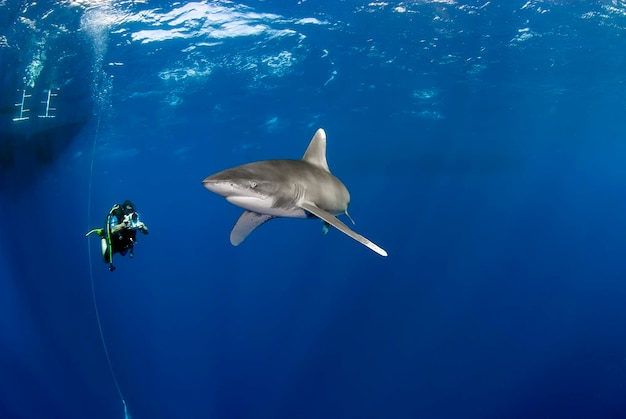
(286, 188)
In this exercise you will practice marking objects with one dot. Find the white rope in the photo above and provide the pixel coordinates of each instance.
(93, 288)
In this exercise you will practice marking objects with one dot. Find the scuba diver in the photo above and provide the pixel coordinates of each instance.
(119, 232)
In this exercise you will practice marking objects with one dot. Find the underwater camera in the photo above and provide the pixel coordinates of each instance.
(132, 220)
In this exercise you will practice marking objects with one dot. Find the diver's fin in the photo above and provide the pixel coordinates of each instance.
(98, 231)
(331, 219)
(246, 224)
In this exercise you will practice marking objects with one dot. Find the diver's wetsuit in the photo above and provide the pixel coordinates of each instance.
(123, 240)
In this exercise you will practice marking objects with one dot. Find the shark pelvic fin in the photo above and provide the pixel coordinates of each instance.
(325, 227)
(316, 152)
(246, 224)
(334, 221)
(350, 218)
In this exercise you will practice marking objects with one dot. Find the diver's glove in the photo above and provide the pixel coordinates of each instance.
(142, 227)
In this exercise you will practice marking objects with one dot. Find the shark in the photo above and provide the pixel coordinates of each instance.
(302, 188)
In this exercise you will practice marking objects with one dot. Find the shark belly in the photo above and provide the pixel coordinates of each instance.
(266, 206)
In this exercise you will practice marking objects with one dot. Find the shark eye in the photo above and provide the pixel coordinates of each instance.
(253, 184)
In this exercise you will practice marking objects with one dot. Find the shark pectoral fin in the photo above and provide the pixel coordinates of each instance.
(245, 225)
(334, 221)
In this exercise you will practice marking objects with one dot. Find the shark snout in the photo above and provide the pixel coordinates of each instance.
(228, 188)
(219, 187)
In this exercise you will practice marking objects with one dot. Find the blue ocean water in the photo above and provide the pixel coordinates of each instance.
(483, 147)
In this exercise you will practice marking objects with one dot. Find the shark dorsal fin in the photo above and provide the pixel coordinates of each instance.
(316, 152)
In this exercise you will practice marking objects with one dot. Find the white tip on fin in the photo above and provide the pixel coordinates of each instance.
(335, 222)
(245, 225)
(316, 152)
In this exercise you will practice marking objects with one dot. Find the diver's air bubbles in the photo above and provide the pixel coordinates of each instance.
(97, 23)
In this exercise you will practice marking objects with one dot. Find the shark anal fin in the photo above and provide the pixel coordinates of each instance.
(246, 224)
(335, 222)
